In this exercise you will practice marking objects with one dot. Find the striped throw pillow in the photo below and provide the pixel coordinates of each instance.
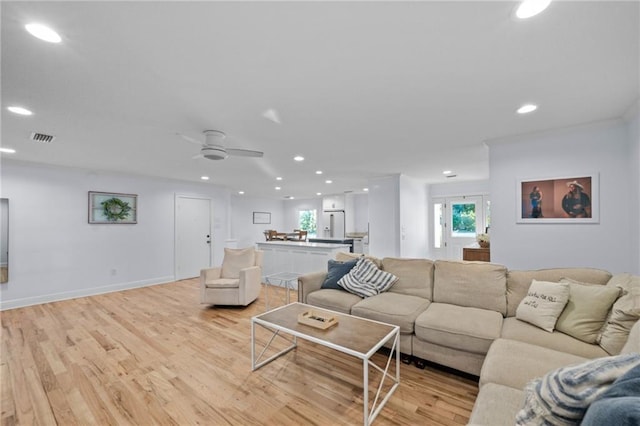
(366, 279)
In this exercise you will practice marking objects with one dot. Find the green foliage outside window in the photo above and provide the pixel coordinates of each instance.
(308, 221)
(464, 218)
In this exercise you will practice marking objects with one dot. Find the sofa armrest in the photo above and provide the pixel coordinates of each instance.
(250, 284)
(309, 283)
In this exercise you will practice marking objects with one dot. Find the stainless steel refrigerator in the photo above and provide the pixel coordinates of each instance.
(333, 224)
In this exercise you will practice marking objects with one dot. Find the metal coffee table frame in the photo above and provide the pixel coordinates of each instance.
(393, 336)
(280, 279)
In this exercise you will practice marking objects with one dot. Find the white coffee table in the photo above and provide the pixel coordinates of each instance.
(358, 337)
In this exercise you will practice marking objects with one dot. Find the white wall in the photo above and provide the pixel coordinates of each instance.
(384, 216)
(603, 148)
(456, 189)
(56, 254)
(413, 218)
(243, 230)
(360, 213)
(633, 124)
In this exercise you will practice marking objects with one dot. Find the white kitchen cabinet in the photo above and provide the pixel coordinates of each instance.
(333, 202)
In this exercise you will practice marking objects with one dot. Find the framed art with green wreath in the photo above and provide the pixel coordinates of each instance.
(113, 208)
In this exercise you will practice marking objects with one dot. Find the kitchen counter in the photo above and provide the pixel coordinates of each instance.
(310, 244)
(348, 241)
(298, 257)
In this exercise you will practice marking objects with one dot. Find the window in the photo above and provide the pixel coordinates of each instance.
(307, 220)
(463, 219)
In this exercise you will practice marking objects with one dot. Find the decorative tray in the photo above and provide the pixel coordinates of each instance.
(317, 319)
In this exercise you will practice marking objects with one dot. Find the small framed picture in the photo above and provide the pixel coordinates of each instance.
(113, 208)
(262, 217)
(572, 199)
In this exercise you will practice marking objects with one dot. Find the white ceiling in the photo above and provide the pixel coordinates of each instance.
(363, 89)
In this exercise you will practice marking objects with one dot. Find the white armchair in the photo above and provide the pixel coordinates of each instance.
(236, 282)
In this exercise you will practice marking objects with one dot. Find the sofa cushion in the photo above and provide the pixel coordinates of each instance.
(392, 308)
(624, 313)
(335, 271)
(496, 405)
(336, 300)
(459, 327)
(236, 259)
(562, 396)
(514, 364)
(586, 310)
(618, 405)
(515, 329)
(518, 282)
(476, 285)
(543, 304)
(415, 276)
(223, 283)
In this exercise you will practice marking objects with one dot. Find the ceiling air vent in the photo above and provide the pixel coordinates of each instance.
(41, 137)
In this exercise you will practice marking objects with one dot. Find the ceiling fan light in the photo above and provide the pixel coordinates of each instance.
(214, 153)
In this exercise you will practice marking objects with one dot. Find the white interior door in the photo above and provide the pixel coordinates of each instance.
(456, 221)
(193, 239)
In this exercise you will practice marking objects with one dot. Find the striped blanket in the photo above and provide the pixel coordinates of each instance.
(562, 396)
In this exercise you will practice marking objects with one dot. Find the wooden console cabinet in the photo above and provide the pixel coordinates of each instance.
(476, 253)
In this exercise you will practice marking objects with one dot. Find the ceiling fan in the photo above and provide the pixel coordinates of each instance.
(213, 148)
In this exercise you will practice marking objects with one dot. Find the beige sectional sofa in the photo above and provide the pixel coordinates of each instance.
(463, 315)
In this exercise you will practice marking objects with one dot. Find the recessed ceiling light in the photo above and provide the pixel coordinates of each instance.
(279, 178)
(204, 177)
(527, 108)
(328, 181)
(19, 110)
(318, 193)
(8, 150)
(446, 172)
(365, 189)
(298, 158)
(318, 172)
(241, 192)
(529, 8)
(278, 188)
(43, 33)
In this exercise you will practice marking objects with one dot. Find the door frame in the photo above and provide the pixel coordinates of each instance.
(482, 220)
(176, 197)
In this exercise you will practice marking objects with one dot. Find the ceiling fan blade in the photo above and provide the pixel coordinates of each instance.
(244, 152)
(189, 139)
(195, 157)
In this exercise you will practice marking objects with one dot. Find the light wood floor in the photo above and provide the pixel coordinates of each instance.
(156, 356)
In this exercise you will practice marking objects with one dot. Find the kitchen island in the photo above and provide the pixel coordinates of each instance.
(297, 256)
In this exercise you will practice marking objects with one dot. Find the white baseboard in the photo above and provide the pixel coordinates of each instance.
(66, 295)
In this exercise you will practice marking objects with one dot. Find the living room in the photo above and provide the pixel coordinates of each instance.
(55, 254)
